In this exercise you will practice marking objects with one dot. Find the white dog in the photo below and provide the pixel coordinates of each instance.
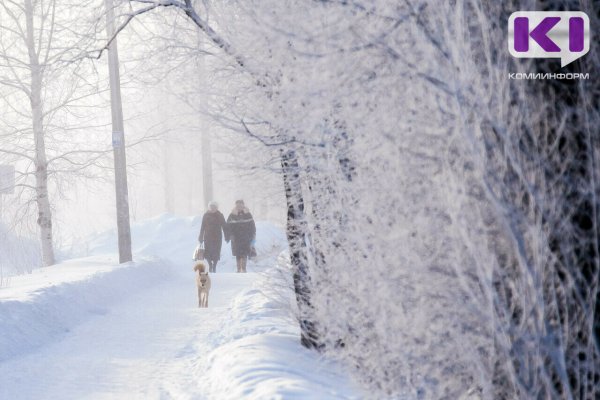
(203, 283)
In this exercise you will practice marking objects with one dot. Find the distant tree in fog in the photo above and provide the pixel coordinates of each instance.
(55, 115)
(47, 129)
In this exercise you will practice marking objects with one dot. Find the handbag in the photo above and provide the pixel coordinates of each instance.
(252, 254)
(199, 252)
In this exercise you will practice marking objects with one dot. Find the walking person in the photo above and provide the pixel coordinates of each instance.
(242, 231)
(211, 235)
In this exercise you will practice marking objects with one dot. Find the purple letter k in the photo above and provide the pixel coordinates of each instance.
(540, 34)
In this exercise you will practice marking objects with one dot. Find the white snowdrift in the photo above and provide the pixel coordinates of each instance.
(258, 353)
(45, 305)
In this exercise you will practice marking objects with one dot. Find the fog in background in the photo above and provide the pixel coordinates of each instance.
(442, 219)
(169, 102)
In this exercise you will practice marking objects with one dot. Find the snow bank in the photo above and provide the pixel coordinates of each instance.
(165, 236)
(258, 353)
(43, 306)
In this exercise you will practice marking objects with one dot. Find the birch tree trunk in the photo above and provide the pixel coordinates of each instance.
(41, 164)
(296, 235)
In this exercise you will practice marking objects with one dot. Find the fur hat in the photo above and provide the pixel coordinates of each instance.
(213, 204)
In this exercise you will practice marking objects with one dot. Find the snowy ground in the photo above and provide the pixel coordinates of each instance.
(90, 329)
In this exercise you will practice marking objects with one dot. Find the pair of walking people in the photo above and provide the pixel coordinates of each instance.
(239, 228)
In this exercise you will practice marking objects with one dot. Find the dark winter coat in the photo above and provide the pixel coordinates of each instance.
(211, 233)
(242, 231)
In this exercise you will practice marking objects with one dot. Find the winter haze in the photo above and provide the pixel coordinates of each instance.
(420, 214)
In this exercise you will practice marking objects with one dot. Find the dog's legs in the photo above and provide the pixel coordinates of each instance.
(204, 299)
(199, 297)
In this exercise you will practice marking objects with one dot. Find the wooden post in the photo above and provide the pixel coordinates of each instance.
(118, 141)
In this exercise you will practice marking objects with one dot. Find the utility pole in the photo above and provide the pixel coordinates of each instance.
(118, 140)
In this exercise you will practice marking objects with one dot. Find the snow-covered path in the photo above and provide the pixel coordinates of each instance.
(90, 328)
(142, 348)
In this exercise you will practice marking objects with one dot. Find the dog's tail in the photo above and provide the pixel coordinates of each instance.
(200, 267)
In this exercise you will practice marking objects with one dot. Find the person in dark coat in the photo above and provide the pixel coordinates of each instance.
(242, 231)
(211, 235)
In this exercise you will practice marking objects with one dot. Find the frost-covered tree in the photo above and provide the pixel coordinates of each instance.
(443, 220)
(47, 127)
